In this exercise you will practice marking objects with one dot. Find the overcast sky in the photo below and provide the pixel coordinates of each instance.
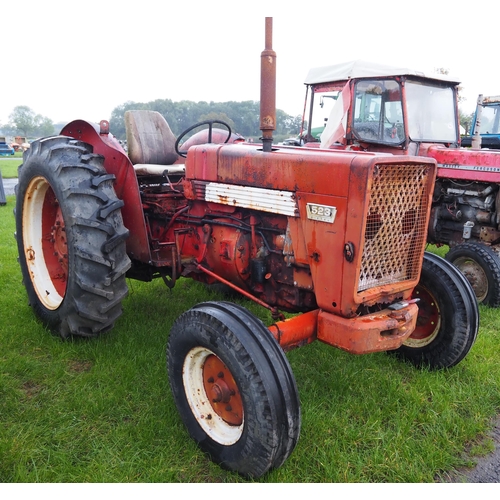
(69, 60)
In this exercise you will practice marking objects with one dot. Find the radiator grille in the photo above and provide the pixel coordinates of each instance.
(396, 226)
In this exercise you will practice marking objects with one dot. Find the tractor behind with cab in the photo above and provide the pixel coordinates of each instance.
(366, 107)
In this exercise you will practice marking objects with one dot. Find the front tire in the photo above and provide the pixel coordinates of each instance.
(70, 237)
(448, 319)
(233, 387)
(481, 266)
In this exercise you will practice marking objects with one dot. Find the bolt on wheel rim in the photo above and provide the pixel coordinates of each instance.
(45, 245)
(213, 396)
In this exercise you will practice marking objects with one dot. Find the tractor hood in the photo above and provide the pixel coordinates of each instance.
(482, 165)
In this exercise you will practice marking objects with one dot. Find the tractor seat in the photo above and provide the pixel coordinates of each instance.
(151, 143)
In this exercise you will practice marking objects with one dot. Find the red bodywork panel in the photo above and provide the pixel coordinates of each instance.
(339, 179)
(288, 169)
(481, 165)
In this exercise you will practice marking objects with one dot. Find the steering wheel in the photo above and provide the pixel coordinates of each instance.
(366, 133)
(210, 124)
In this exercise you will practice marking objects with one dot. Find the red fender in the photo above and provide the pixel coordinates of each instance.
(127, 189)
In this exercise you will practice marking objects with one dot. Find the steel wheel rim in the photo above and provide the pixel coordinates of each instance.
(475, 276)
(428, 321)
(209, 396)
(45, 246)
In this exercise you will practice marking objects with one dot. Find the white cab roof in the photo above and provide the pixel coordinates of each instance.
(364, 69)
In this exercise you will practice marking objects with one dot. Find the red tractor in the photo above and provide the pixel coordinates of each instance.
(336, 237)
(361, 106)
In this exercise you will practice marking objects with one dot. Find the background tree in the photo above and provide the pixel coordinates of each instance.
(243, 117)
(466, 121)
(222, 117)
(23, 119)
(28, 124)
(45, 127)
(7, 130)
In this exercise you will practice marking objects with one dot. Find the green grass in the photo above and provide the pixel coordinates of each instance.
(9, 164)
(101, 410)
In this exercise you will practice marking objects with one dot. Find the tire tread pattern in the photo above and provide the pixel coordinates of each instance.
(247, 347)
(96, 236)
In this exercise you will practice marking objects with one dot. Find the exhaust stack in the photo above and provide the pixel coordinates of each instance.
(268, 89)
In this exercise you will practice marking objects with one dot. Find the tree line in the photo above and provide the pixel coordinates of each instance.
(23, 121)
(243, 117)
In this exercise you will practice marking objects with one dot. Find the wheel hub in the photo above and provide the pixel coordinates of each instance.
(221, 392)
(222, 389)
(213, 396)
(475, 276)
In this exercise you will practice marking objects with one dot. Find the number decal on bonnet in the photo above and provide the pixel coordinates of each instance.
(323, 213)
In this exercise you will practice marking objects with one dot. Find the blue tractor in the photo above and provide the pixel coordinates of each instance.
(485, 130)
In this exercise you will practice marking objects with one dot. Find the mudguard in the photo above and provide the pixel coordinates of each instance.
(126, 186)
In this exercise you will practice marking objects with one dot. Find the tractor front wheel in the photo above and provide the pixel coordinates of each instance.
(233, 387)
(448, 318)
(70, 237)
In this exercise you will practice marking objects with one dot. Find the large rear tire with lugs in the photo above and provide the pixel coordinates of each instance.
(448, 319)
(70, 237)
(233, 387)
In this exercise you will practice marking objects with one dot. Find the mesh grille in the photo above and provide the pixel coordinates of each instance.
(396, 226)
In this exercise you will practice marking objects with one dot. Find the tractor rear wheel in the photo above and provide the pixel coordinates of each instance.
(233, 387)
(448, 319)
(70, 237)
(481, 266)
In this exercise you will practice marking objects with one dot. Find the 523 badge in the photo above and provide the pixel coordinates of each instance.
(323, 213)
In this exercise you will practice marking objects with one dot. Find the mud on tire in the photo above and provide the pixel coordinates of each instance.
(70, 237)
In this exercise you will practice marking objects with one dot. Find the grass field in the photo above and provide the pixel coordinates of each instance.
(9, 164)
(101, 410)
